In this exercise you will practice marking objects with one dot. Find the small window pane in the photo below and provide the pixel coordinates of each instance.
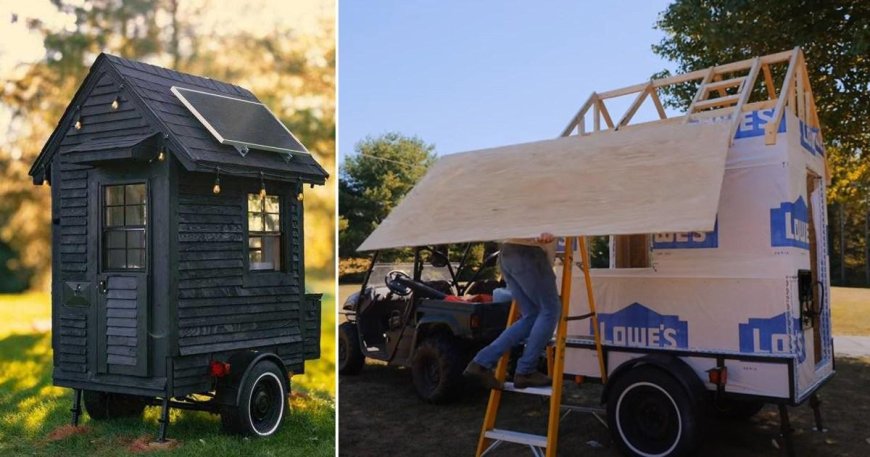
(272, 252)
(255, 222)
(272, 223)
(255, 203)
(115, 240)
(255, 242)
(115, 216)
(272, 204)
(135, 258)
(135, 194)
(115, 259)
(135, 215)
(114, 195)
(256, 260)
(136, 239)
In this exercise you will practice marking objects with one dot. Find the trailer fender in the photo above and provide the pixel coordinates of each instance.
(241, 363)
(668, 363)
(437, 321)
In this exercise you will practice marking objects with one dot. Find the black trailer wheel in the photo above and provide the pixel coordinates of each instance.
(350, 357)
(106, 405)
(736, 408)
(651, 414)
(262, 402)
(437, 369)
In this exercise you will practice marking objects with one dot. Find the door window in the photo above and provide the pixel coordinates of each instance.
(124, 221)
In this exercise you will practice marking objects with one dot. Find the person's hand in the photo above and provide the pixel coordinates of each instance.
(545, 237)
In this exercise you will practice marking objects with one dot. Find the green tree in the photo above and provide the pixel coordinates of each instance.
(374, 180)
(835, 37)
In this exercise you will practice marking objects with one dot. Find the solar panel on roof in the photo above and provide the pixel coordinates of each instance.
(240, 123)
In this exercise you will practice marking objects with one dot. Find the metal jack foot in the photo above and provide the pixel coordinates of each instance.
(786, 431)
(77, 407)
(164, 420)
(815, 403)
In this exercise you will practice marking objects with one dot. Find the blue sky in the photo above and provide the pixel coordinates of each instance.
(466, 75)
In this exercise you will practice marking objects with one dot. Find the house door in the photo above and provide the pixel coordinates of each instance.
(124, 257)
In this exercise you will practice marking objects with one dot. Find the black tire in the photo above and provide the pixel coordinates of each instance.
(106, 405)
(736, 409)
(262, 404)
(350, 357)
(650, 413)
(437, 369)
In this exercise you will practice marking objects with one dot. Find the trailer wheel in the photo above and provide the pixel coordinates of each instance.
(350, 357)
(262, 404)
(106, 405)
(736, 408)
(651, 414)
(437, 369)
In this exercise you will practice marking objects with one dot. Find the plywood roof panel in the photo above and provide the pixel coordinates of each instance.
(643, 180)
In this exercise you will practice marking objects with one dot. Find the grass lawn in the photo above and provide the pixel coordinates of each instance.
(850, 311)
(31, 408)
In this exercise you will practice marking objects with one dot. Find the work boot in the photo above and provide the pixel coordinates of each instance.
(482, 374)
(533, 379)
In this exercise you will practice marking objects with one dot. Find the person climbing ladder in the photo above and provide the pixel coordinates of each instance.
(527, 268)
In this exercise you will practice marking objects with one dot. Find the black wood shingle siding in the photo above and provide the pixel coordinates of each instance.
(121, 321)
(218, 312)
(76, 260)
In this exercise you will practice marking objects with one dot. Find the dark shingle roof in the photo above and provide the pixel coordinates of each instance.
(194, 146)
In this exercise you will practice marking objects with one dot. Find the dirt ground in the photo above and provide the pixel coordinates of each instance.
(381, 415)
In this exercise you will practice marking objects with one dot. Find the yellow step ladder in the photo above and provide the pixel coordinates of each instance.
(540, 445)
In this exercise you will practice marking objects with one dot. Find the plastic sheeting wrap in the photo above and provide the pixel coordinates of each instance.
(664, 178)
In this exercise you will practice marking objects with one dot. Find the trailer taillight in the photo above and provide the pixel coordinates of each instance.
(218, 369)
(718, 376)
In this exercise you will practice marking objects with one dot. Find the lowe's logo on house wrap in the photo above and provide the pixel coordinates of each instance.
(789, 225)
(770, 336)
(687, 240)
(637, 325)
(811, 140)
(753, 124)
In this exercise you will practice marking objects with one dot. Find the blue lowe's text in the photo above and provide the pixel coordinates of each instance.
(638, 326)
(770, 336)
(789, 225)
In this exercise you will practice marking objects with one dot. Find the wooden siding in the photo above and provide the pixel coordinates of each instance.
(221, 306)
(122, 302)
(76, 259)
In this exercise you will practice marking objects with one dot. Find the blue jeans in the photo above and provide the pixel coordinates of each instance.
(530, 278)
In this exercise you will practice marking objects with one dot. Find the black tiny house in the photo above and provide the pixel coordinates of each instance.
(177, 248)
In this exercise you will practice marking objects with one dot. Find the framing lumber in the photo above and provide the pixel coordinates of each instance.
(795, 94)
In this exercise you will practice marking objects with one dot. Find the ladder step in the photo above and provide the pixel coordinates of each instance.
(713, 102)
(510, 436)
(542, 391)
(709, 87)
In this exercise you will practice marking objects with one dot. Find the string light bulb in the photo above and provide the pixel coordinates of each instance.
(217, 183)
(299, 191)
(116, 103)
(262, 187)
(78, 124)
(161, 156)
(299, 196)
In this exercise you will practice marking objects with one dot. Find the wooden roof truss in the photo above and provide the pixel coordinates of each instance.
(722, 91)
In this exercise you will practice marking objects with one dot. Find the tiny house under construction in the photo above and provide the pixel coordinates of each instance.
(177, 248)
(717, 287)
